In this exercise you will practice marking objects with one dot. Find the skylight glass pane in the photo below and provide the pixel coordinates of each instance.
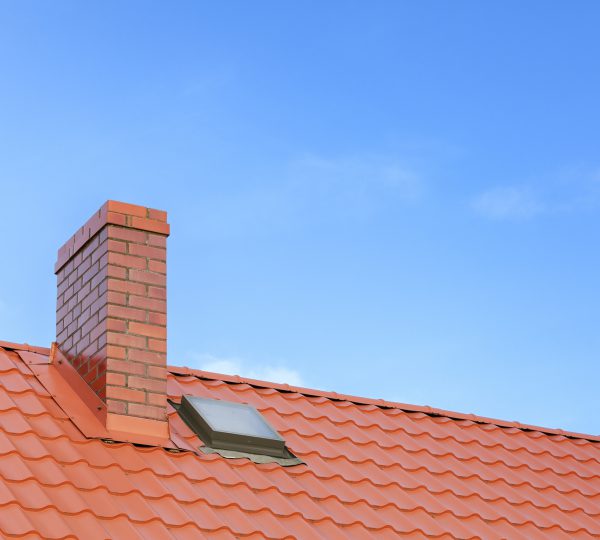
(236, 418)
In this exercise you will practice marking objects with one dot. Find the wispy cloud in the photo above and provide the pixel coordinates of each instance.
(313, 189)
(570, 190)
(356, 179)
(511, 203)
(237, 366)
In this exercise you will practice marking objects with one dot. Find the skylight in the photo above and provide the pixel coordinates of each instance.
(232, 426)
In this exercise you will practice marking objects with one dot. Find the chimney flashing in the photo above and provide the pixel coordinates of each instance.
(86, 410)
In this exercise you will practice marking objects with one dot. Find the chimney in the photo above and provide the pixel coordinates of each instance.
(111, 313)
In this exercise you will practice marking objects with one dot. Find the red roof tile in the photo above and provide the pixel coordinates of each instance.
(373, 469)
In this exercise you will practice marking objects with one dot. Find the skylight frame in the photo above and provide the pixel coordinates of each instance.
(229, 440)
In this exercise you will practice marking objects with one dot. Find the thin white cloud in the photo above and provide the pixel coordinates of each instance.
(312, 190)
(356, 178)
(237, 366)
(569, 190)
(508, 203)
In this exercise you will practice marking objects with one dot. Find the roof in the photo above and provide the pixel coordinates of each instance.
(372, 469)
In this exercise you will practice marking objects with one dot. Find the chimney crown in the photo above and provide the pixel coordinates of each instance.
(111, 314)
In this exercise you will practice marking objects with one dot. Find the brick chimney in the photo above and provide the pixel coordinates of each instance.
(111, 312)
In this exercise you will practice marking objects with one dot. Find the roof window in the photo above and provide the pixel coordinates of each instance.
(235, 427)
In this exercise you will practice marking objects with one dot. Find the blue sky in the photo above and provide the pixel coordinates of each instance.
(390, 199)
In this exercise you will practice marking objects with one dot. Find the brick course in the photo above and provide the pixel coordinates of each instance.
(111, 318)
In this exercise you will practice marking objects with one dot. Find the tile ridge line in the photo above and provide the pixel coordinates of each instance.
(381, 403)
(9, 345)
(358, 400)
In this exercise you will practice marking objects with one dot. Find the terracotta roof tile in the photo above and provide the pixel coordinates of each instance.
(372, 469)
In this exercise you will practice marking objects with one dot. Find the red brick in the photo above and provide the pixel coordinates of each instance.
(99, 277)
(149, 304)
(83, 318)
(113, 297)
(157, 372)
(146, 411)
(89, 325)
(68, 318)
(62, 310)
(148, 357)
(158, 345)
(129, 235)
(99, 257)
(143, 383)
(126, 286)
(116, 219)
(98, 330)
(126, 208)
(126, 394)
(116, 379)
(83, 342)
(117, 246)
(103, 260)
(99, 253)
(102, 339)
(157, 318)
(158, 240)
(149, 330)
(98, 303)
(126, 366)
(72, 328)
(117, 325)
(159, 215)
(68, 293)
(117, 272)
(96, 354)
(150, 252)
(85, 264)
(128, 313)
(83, 291)
(89, 299)
(129, 261)
(62, 287)
(99, 386)
(157, 266)
(157, 292)
(90, 375)
(125, 340)
(72, 303)
(160, 400)
(149, 225)
(92, 244)
(112, 351)
(143, 276)
(117, 407)
(102, 287)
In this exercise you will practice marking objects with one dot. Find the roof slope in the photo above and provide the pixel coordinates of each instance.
(371, 472)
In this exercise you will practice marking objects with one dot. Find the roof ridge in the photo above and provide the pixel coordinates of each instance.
(24, 347)
(382, 403)
(334, 396)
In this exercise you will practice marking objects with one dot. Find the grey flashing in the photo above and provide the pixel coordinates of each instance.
(256, 458)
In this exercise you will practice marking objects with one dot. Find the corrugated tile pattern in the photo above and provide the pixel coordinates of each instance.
(371, 472)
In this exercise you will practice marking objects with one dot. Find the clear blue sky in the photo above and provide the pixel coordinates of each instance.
(390, 199)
